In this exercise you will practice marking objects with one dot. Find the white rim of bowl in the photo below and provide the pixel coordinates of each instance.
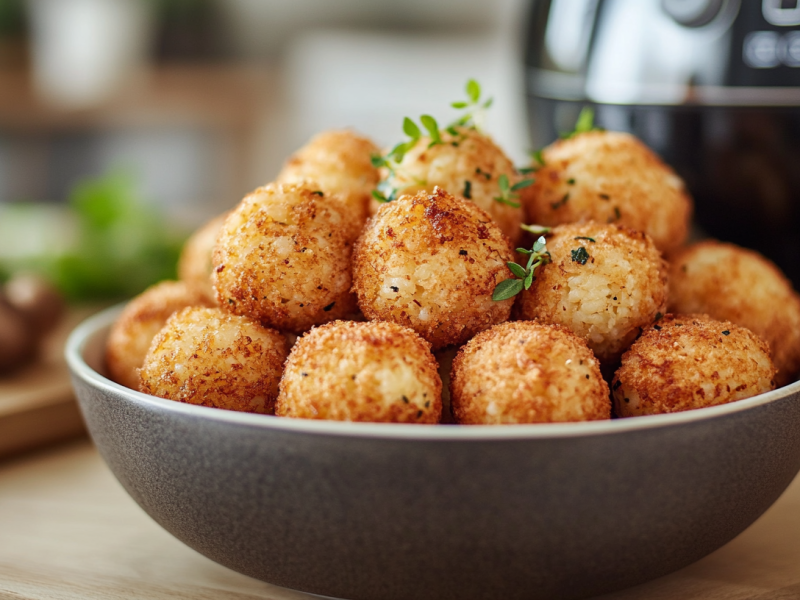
(79, 337)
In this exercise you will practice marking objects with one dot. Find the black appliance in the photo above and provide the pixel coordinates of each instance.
(713, 86)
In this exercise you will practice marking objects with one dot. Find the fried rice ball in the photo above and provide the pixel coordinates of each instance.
(341, 163)
(194, 265)
(347, 371)
(283, 258)
(527, 372)
(144, 316)
(604, 283)
(683, 362)
(468, 165)
(431, 262)
(609, 177)
(734, 284)
(208, 357)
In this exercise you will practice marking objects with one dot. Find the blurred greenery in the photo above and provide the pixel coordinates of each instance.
(119, 245)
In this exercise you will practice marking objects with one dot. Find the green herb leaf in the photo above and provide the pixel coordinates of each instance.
(410, 129)
(585, 120)
(522, 184)
(560, 203)
(539, 244)
(580, 255)
(502, 181)
(726, 332)
(473, 90)
(538, 156)
(459, 104)
(507, 202)
(507, 289)
(526, 170)
(379, 197)
(377, 161)
(581, 237)
(528, 279)
(429, 123)
(468, 189)
(517, 270)
(536, 229)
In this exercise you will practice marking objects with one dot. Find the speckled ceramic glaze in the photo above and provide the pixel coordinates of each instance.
(369, 511)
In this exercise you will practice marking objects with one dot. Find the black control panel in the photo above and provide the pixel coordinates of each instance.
(765, 45)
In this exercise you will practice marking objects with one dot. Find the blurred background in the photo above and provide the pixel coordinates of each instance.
(162, 113)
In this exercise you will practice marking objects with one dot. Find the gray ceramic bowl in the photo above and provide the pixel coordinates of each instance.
(374, 511)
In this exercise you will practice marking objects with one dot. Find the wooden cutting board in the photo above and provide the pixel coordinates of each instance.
(37, 406)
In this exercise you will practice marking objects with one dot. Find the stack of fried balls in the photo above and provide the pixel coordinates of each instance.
(355, 284)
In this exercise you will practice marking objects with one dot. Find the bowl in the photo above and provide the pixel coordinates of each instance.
(385, 511)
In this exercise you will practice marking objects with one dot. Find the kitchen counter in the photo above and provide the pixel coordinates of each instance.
(69, 531)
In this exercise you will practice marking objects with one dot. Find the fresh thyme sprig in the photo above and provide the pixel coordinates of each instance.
(473, 116)
(508, 193)
(475, 108)
(584, 124)
(523, 278)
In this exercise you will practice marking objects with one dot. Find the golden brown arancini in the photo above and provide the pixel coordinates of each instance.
(283, 258)
(683, 362)
(140, 321)
(739, 285)
(527, 372)
(431, 262)
(194, 265)
(609, 177)
(208, 357)
(468, 165)
(341, 163)
(604, 293)
(347, 371)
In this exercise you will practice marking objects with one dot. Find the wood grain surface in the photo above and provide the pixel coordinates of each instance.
(68, 531)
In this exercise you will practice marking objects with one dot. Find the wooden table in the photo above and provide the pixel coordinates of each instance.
(68, 531)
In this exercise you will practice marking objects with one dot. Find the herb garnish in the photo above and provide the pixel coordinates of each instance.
(581, 237)
(538, 157)
(507, 193)
(475, 108)
(536, 229)
(726, 332)
(523, 276)
(560, 203)
(318, 193)
(580, 255)
(584, 124)
(468, 189)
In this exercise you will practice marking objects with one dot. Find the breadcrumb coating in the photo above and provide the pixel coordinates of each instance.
(347, 371)
(283, 258)
(527, 372)
(207, 357)
(468, 165)
(609, 177)
(619, 289)
(144, 316)
(195, 265)
(341, 163)
(683, 362)
(431, 262)
(739, 285)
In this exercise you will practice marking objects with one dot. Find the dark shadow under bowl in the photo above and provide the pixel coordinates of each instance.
(380, 511)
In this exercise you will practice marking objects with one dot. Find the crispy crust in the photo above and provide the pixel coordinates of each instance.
(341, 163)
(739, 285)
(195, 265)
(283, 258)
(143, 317)
(606, 301)
(207, 357)
(527, 372)
(475, 159)
(610, 177)
(346, 371)
(683, 362)
(431, 262)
